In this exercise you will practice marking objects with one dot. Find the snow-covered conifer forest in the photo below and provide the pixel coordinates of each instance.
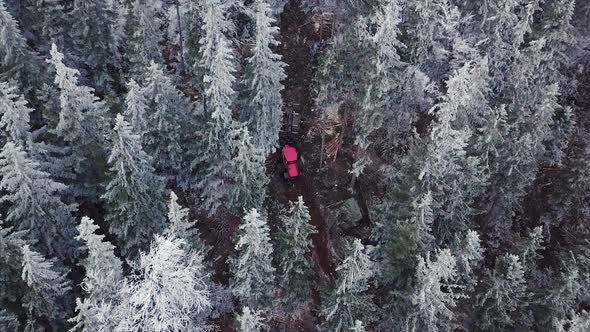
(294, 165)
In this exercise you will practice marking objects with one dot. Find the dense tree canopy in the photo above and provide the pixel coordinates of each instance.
(441, 179)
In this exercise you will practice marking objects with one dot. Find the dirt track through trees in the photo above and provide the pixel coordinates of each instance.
(296, 51)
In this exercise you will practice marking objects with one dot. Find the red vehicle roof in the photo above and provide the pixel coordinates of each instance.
(292, 170)
(289, 153)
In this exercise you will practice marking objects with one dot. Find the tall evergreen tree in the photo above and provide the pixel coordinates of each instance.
(504, 304)
(35, 204)
(215, 25)
(404, 240)
(94, 41)
(563, 41)
(248, 172)
(17, 61)
(169, 292)
(265, 73)
(524, 150)
(454, 177)
(52, 24)
(136, 109)
(47, 290)
(181, 227)
(168, 121)
(192, 22)
(348, 301)
(11, 242)
(134, 194)
(252, 270)
(8, 321)
(82, 124)
(219, 94)
(469, 254)
(435, 293)
(103, 277)
(506, 31)
(435, 31)
(250, 321)
(382, 95)
(295, 260)
(15, 116)
(145, 35)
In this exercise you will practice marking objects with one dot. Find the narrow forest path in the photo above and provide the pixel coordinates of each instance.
(296, 50)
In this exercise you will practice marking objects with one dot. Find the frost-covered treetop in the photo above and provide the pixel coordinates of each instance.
(388, 18)
(355, 270)
(250, 321)
(39, 273)
(15, 115)
(136, 108)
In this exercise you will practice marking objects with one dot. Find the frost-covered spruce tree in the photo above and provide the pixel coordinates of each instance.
(453, 177)
(252, 270)
(34, 203)
(15, 116)
(435, 293)
(524, 150)
(192, 21)
(8, 321)
(553, 126)
(348, 301)
(214, 25)
(145, 27)
(102, 281)
(219, 95)
(383, 93)
(562, 42)
(505, 32)
(134, 194)
(11, 242)
(529, 248)
(565, 291)
(469, 254)
(17, 61)
(577, 322)
(250, 321)
(168, 121)
(136, 105)
(181, 227)
(168, 292)
(179, 16)
(94, 41)
(490, 139)
(249, 179)
(119, 11)
(265, 71)
(508, 285)
(178, 218)
(52, 25)
(437, 22)
(295, 264)
(46, 296)
(405, 239)
(358, 327)
(503, 305)
(82, 124)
